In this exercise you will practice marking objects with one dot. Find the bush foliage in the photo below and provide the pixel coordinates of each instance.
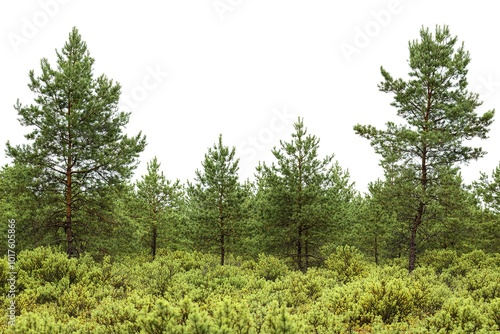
(182, 292)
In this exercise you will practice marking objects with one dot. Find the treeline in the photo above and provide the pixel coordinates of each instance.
(70, 185)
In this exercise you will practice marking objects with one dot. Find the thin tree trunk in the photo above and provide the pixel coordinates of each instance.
(222, 249)
(420, 213)
(69, 195)
(299, 249)
(67, 225)
(221, 226)
(153, 240)
(413, 237)
(423, 182)
(306, 252)
(299, 207)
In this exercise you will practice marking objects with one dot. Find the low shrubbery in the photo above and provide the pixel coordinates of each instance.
(181, 292)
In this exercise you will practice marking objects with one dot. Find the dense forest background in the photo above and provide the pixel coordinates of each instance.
(276, 254)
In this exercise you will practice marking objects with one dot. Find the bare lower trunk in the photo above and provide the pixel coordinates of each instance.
(413, 238)
(67, 224)
(306, 253)
(68, 228)
(222, 249)
(299, 250)
(153, 241)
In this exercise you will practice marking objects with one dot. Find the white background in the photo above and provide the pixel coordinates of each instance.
(192, 69)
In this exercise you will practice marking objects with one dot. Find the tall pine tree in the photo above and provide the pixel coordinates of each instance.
(439, 115)
(76, 140)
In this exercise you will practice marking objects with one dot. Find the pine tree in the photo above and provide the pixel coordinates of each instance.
(216, 200)
(373, 222)
(18, 191)
(439, 115)
(487, 192)
(488, 189)
(302, 197)
(159, 196)
(76, 139)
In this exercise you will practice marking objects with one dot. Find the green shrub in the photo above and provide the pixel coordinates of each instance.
(232, 317)
(483, 284)
(41, 323)
(120, 315)
(389, 294)
(388, 298)
(458, 316)
(270, 268)
(164, 318)
(50, 291)
(347, 263)
(47, 264)
(300, 289)
(4, 275)
(181, 292)
(438, 260)
(79, 300)
(428, 292)
(279, 321)
(199, 322)
(157, 275)
(494, 312)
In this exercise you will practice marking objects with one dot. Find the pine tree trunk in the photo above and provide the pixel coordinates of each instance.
(299, 249)
(306, 253)
(67, 224)
(222, 228)
(69, 195)
(421, 207)
(222, 249)
(154, 235)
(413, 237)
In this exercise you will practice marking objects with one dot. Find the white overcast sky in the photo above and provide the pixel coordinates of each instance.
(192, 69)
